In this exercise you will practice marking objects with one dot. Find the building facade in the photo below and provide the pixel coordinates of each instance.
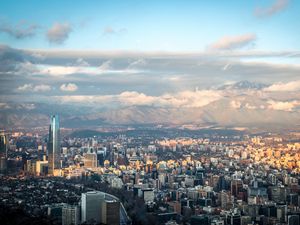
(3, 152)
(54, 146)
(91, 206)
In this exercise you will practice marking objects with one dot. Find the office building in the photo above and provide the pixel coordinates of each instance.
(70, 215)
(41, 168)
(55, 212)
(90, 160)
(91, 206)
(3, 152)
(111, 212)
(54, 163)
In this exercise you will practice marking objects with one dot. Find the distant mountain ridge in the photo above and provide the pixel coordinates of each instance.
(243, 85)
(231, 110)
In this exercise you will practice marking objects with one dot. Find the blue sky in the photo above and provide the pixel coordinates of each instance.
(151, 25)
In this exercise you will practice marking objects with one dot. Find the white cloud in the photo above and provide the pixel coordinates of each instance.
(68, 87)
(235, 104)
(181, 99)
(59, 33)
(192, 98)
(34, 88)
(58, 70)
(284, 106)
(233, 42)
(4, 105)
(81, 62)
(25, 87)
(227, 66)
(277, 6)
(41, 88)
(290, 86)
(138, 63)
(105, 66)
(249, 106)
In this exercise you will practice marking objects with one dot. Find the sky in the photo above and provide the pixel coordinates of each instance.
(175, 53)
(148, 25)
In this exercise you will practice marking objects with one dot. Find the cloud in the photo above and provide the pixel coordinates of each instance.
(57, 70)
(4, 105)
(69, 87)
(105, 66)
(233, 42)
(281, 87)
(34, 88)
(235, 104)
(81, 62)
(41, 88)
(276, 7)
(59, 33)
(284, 106)
(20, 31)
(153, 74)
(25, 87)
(137, 63)
(112, 31)
(188, 99)
(249, 106)
(227, 67)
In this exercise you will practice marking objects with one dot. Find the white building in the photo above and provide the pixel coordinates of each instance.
(91, 206)
(116, 182)
(148, 195)
(70, 215)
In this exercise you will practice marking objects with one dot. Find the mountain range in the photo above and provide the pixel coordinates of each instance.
(241, 106)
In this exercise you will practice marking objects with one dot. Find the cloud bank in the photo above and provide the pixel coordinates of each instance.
(282, 87)
(34, 88)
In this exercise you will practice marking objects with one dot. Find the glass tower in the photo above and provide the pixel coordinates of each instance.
(3, 151)
(3, 145)
(54, 145)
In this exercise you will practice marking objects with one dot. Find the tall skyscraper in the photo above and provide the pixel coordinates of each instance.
(3, 152)
(54, 145)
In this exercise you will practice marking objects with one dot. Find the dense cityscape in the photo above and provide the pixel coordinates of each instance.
(217, 177)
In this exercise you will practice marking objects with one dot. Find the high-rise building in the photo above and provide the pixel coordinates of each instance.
(54, 145)
(111, 212)
(91, 206)
(90, 160)
(70, 215)
(3, 152)
(55, 212)
(236, 187)
(41, 168)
